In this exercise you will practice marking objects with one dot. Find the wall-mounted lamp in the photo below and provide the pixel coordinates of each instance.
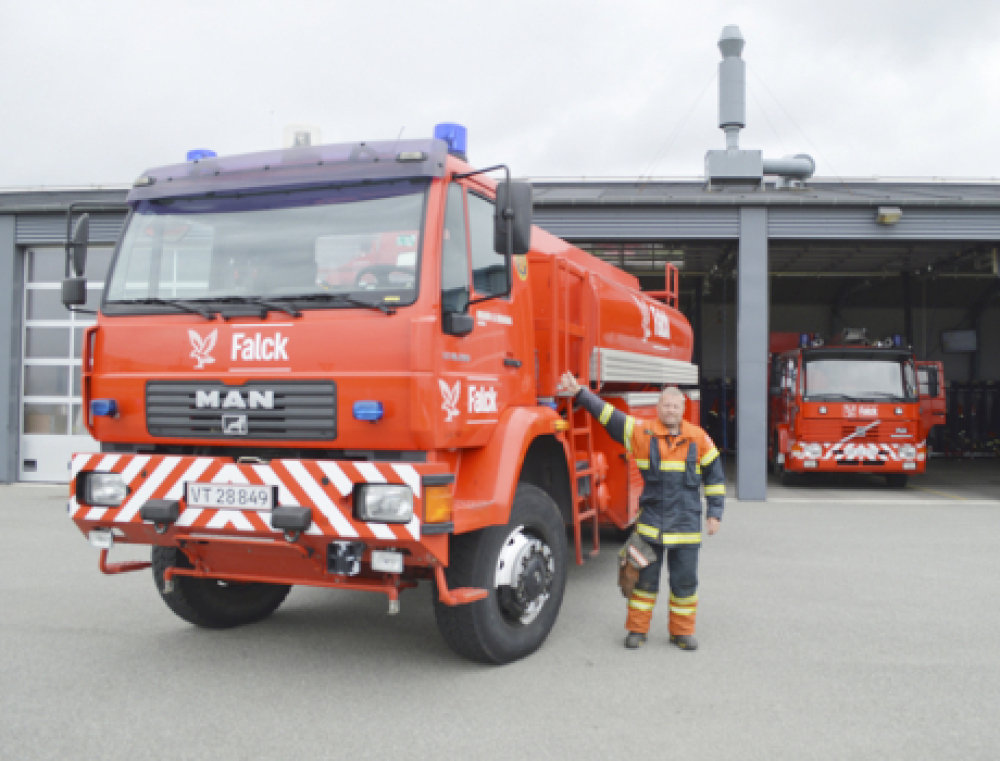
(888, 215)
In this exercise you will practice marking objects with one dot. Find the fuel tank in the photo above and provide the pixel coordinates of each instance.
(595, 317)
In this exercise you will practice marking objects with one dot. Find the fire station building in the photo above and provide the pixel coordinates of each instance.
(917, 259)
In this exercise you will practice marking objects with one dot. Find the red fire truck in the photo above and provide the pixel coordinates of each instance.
(851, 406)
(337, 366)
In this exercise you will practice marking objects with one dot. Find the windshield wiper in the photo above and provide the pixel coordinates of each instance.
(834, 396)
(271, 305)
(180, 304)
(384, 308)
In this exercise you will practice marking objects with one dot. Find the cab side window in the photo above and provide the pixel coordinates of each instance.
(489, 269)
(454, 254)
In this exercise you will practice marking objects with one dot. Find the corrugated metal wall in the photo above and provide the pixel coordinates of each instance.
(859, 223)
(612, 223)
(33, 229)
(692, 223)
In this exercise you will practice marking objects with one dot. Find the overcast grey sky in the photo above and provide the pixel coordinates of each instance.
(94, 93)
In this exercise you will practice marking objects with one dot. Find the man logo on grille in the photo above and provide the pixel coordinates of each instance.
(202, 347)
(235, 425)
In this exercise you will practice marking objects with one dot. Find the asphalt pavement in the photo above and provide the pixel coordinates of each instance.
(839, 620)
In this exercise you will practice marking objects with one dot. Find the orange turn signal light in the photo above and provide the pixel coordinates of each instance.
(438, 504)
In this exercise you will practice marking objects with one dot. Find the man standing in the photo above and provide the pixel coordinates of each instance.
(674, 457)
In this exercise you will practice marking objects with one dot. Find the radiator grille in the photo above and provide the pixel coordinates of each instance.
(294, 410)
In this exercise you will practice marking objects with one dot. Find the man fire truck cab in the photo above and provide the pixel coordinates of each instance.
(851, 406)
(338, 366)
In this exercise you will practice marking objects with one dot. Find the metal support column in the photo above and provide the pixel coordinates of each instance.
(697, 324)
(907, 307)
(10, 350)
(752, 312)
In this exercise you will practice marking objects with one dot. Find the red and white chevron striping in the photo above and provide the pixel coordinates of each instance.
(299, 482)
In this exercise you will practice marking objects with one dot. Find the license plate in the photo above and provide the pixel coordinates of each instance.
(231, 496)
(387, 562)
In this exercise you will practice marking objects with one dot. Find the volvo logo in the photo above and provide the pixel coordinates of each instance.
(234, 399)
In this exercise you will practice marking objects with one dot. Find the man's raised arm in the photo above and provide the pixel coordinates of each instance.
(618, 425)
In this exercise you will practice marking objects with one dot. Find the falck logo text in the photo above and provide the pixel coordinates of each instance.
(201, 348)
(450, 396)
(660, 320)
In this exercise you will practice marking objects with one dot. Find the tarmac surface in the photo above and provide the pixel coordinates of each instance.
(839, 620)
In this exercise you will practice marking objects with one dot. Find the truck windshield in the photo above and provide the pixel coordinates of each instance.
(859, 379)
(360, 241)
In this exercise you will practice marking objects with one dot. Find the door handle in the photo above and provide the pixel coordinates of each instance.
(511, 362)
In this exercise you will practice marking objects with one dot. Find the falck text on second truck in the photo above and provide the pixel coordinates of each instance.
(336, 366)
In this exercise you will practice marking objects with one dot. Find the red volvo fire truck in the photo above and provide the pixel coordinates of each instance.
(851, 406)
(337, 366)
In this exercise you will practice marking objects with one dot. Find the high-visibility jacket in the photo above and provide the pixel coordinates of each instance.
(672, 467)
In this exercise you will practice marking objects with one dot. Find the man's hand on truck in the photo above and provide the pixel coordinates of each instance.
(568, 384)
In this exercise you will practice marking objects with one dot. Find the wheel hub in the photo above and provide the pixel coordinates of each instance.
(525, 570)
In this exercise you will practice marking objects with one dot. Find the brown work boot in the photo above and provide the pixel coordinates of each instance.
(684, 641)
(635, 640)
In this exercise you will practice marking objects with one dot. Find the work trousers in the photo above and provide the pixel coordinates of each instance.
(682, 565)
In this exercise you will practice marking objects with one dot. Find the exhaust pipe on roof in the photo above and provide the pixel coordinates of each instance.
(740, 166)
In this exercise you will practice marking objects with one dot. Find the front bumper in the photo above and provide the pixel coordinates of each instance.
(855, 457)
(245, 540)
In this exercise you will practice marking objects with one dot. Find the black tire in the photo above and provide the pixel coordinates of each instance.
(486, 631)
(896, 480)
(210, 603)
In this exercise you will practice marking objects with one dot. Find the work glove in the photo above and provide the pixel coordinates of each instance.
(635, 555)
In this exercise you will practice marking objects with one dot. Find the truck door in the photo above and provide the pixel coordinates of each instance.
(930, 379)
(481, 371)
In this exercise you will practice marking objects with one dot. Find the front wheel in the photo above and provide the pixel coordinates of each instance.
(523, 567)
(211, 603)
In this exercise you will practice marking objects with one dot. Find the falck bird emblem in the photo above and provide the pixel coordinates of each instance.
(644, 309)
(449, 396)
(201, 348)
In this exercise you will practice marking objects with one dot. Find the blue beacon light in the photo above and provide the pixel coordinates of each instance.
(456, 136)
(370, 412)
(200, 153)
(104, 408)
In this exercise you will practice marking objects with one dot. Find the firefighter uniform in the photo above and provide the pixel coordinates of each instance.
(672, 467)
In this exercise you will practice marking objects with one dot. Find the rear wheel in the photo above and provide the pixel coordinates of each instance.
(523, 567)
(211, 603)
(896, 480)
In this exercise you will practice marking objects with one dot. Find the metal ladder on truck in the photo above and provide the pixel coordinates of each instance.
(569, 348)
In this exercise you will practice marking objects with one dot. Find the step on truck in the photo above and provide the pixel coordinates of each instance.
(853, 405)
(337, 366)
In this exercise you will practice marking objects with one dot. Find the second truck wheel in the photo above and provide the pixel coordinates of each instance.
(523, 566)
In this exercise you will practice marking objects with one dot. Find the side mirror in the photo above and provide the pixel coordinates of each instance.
(76, 250)
(457, 323)
(74, 288)
(513, 207)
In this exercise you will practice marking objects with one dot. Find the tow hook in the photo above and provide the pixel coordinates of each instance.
(123, 567)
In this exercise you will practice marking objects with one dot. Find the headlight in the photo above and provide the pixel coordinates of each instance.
(104, 489)
(383, 503)
(812, 451)
(908, 452)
